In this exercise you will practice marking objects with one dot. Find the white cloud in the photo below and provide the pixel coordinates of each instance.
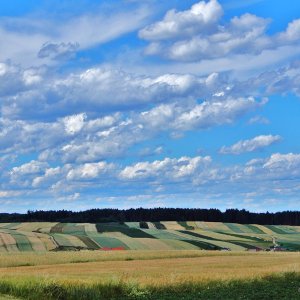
(286, 162)
(33, 167)
(259, 120)
(50, 175)
(167, 169)
(3, 69)
(74, 124)
(31, 77)
(93, 89)
(175, 24)
(100, 89)
(292, 32)
(243, 35)
(257, 143)
(183, 36)
(9, 194)
(23, 175)
(278, 173)
(83, 139)
(89, 171)
(69, 198)
(208, 114)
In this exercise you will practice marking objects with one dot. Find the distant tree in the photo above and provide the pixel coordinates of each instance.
(158, 214)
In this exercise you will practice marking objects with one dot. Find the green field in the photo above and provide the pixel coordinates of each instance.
(43, 236)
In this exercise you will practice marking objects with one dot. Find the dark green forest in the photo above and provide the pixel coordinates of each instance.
(155, 215)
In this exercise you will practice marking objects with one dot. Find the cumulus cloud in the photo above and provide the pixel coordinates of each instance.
(22, 176)
(84, 139)
(280, 170)
(33, 167)
(194, 116)
(190, 36)
(243, 35)
(215, 113)
(282, 80)
(200, 17)
(257, 143)
(280, 161)
(168, 168)
(74, 123)
(15, 80)
(148, 124)
(104, 90)
(50, 175)
(278, 173)
(97, 89)
(89, 171)
(292, 32)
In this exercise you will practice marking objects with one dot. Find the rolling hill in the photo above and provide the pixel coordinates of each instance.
(43, 236)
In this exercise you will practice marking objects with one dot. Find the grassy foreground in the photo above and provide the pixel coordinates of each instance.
(285, 286)
(150, 275)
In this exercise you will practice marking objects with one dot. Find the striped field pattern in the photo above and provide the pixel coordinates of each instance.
(45, 236)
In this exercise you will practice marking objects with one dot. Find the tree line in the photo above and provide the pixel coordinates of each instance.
(155, 215)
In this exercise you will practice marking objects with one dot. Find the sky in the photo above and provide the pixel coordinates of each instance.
(148, 103)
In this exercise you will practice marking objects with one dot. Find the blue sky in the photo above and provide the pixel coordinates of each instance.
(143, 103)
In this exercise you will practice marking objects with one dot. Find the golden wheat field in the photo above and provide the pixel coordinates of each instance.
(146, 274)
(146, 267)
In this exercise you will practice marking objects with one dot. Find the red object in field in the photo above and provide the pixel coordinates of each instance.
(112, 249)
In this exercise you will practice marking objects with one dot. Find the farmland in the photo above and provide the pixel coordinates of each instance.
(186, 274)
(140, 260)
(43, 237)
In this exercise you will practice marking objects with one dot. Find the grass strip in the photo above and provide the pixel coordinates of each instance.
(131, 232)
(247, 237)
(282, 286)
(88, 242)
(247, 246)
(22, 242)
(73, 229)
(159, 225)
(276, 229)
(254, 229)
(186, 226)
(108, 242)
(61, 240)
(58, 228)
(195, 234)
(203, 245)
(233, 227)
(10, 225)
